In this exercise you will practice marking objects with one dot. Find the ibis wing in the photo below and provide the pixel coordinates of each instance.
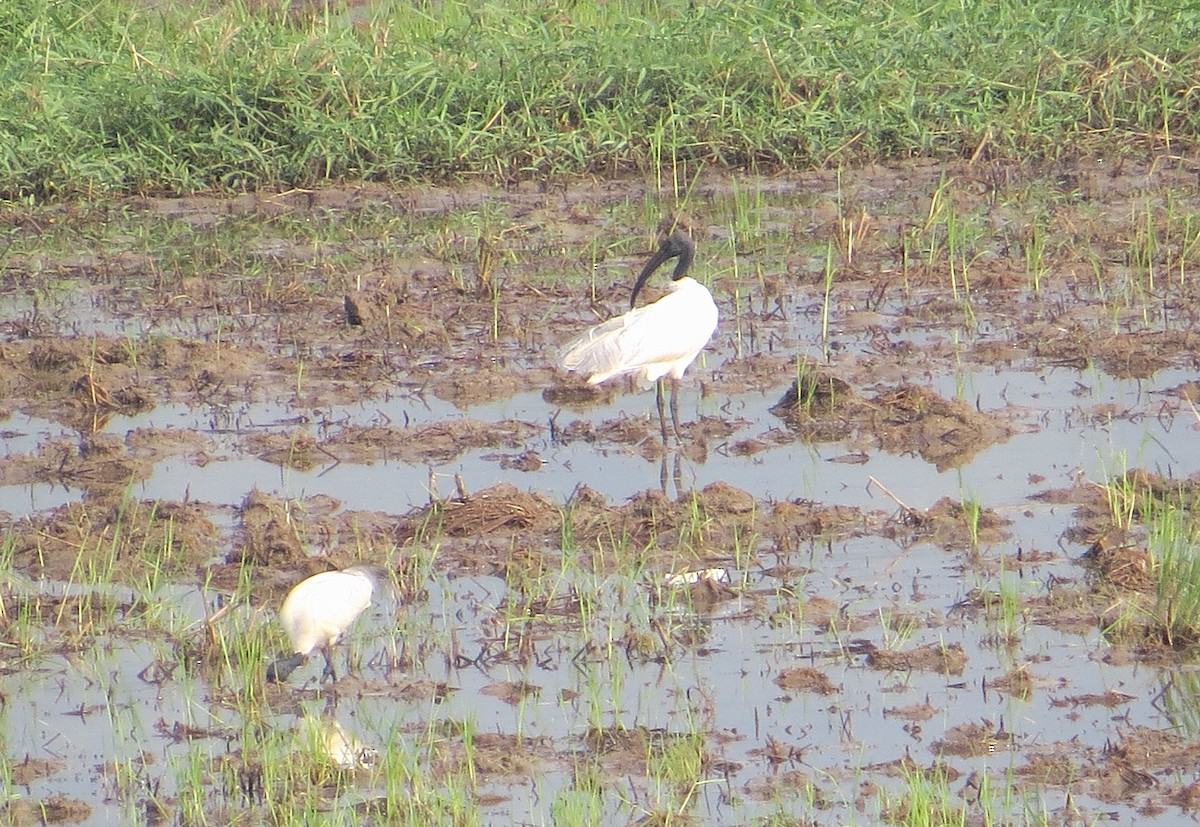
(660, 338)
(604, 350)
(320, 609)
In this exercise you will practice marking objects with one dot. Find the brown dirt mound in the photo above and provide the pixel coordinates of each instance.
(1124, 567)
(267, 534)
(805, 679)
(436, 443)
(1074, 343)
(931, 657)
(502, 508)
(947, 433)
(950, 524)
(905, 419)
(974, 739)
(128, 535)
(698, 528)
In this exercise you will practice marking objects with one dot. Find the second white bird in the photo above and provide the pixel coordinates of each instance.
(318, 611)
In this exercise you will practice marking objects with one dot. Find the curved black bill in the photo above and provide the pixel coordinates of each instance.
(278, 671)
(677, 244)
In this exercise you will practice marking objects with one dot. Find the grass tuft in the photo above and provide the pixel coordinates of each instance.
(130, 97)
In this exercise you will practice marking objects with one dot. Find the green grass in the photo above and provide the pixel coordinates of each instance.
(129, 96)
(927, 801)
(1004, 608)
(1173, 537)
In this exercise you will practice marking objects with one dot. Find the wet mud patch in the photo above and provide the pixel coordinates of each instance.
(306, 536)
(57, 809)
(267, 534)
(494, 754)
(1136, 769)
(487, 531)
(95, 463)
(379, 306)
(758, 371)
(643, 434)
(622, 750)
(1130, 587)
(906, 419)
(1124, 568)
(1070, 343)
(100, 465)
(796, 524)
(502, 509)
(931, 657)
(949, 524)
(303, 329)
(804, 679)
(436, 443)
(944, 432)
(295, 449)
(1018, 682)
(639, 431)
(974, 739)
(700, 528)
(477, 384)
(119, 538)
(84, 380)
(512, 692)
(817, 394)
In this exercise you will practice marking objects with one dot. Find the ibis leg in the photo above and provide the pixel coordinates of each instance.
(675, 407)
(327, 651)
(662, 416)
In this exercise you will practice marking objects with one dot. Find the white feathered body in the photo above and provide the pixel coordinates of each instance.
(651, 341)
(318, 610)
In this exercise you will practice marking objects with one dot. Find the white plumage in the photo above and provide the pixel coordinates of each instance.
(318, 611)
(658, 340)
(655, 340)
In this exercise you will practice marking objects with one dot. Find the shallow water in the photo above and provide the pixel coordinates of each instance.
(725, 686)
(106, 707)
(1112, 426)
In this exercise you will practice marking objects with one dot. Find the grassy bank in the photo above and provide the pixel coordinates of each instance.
(135, 95)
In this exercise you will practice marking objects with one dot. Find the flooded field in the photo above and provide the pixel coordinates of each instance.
(907, 562)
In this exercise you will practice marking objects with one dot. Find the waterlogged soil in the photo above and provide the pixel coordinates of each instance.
(900, 542)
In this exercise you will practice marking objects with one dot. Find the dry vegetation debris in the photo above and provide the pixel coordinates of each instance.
(904, 419)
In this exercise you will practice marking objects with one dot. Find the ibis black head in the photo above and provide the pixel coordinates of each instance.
(676, 245)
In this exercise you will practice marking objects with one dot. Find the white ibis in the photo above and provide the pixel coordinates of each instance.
(318, 611)
(657, 340)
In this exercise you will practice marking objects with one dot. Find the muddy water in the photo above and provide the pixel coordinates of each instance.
(865, 628)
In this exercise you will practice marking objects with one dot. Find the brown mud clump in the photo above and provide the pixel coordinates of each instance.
(944, 432)
(485, 531)
(950, 524)
(805, 679)
(175, 537)
(267, 533)
(905, 419)
(972, 740)
(1123, 568)
(501, 508)
(930, 657)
